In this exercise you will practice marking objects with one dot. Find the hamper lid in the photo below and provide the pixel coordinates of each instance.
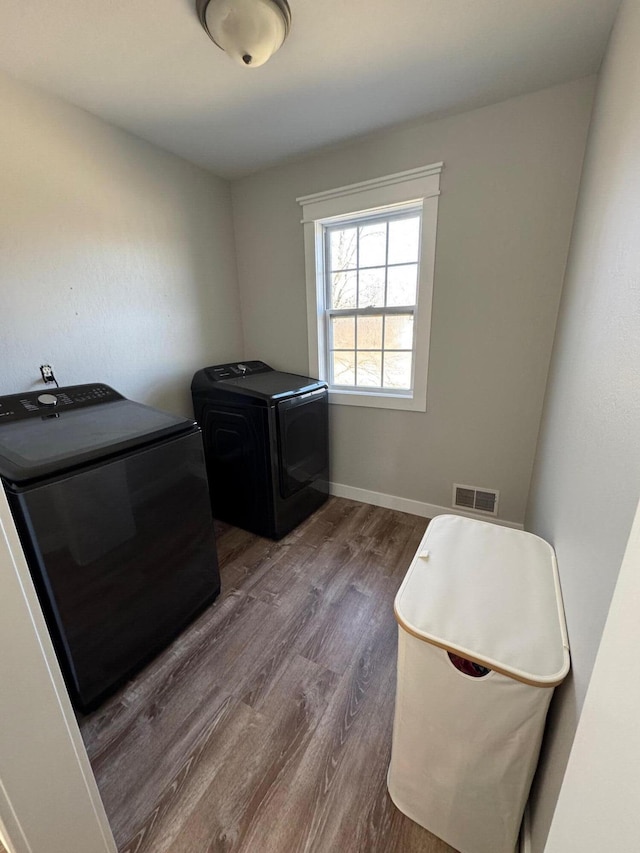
(490, 594)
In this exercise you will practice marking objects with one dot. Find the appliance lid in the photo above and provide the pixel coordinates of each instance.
(272, 385)
(490, 594)
(47, 443)
(254, 380)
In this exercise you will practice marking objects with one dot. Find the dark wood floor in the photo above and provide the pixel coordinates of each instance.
(266, 727)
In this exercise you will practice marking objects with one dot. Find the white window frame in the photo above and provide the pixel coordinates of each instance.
(416, 188)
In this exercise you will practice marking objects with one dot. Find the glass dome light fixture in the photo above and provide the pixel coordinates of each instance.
(250, 31)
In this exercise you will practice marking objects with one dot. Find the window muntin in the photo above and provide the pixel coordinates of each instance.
(371, 281)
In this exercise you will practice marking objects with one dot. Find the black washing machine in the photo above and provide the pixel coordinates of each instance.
(266, 442)
(111, 504)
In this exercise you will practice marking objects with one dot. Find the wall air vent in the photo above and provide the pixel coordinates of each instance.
(475, 499)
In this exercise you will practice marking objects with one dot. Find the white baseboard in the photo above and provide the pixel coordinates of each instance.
(424, 510)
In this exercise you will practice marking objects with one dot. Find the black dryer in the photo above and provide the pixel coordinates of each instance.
(266, 441)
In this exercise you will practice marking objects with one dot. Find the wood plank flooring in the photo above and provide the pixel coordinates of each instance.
(266, 727)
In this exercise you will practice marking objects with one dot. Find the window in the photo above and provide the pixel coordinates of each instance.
(370, 251)
(371, 284)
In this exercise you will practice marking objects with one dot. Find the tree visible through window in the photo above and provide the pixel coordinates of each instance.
(371, 270)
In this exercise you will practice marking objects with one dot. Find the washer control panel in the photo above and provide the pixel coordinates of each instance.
(236, 370)
(15, 407)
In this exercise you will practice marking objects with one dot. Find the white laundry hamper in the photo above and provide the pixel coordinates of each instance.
(467, 733)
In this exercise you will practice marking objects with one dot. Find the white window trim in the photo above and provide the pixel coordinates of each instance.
(415, 187)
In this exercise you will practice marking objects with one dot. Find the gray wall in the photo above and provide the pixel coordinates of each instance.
(586, 479)
(118, 260)
(508, 196)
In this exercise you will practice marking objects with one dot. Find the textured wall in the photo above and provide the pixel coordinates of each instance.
(586, 479)
(508, 196)
(118, 260)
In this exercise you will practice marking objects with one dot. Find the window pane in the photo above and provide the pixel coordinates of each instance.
(404, 240)
(373, 245)
(343, 332)
(370, 332)
(397, 370)
(369, 369)
(398, 331)
(401, 285)
(344, 288)
(343, 366)
(343, 249)
(371, 288)
(371, 265)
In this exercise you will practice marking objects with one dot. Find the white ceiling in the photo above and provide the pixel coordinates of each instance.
(347, 68)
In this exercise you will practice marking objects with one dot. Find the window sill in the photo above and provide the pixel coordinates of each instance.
(373, 400)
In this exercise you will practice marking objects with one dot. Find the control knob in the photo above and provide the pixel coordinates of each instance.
(47, 400)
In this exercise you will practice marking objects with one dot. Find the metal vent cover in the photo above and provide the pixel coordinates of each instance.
(476, 498)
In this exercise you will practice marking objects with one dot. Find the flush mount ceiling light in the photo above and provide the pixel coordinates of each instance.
(250, 31)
